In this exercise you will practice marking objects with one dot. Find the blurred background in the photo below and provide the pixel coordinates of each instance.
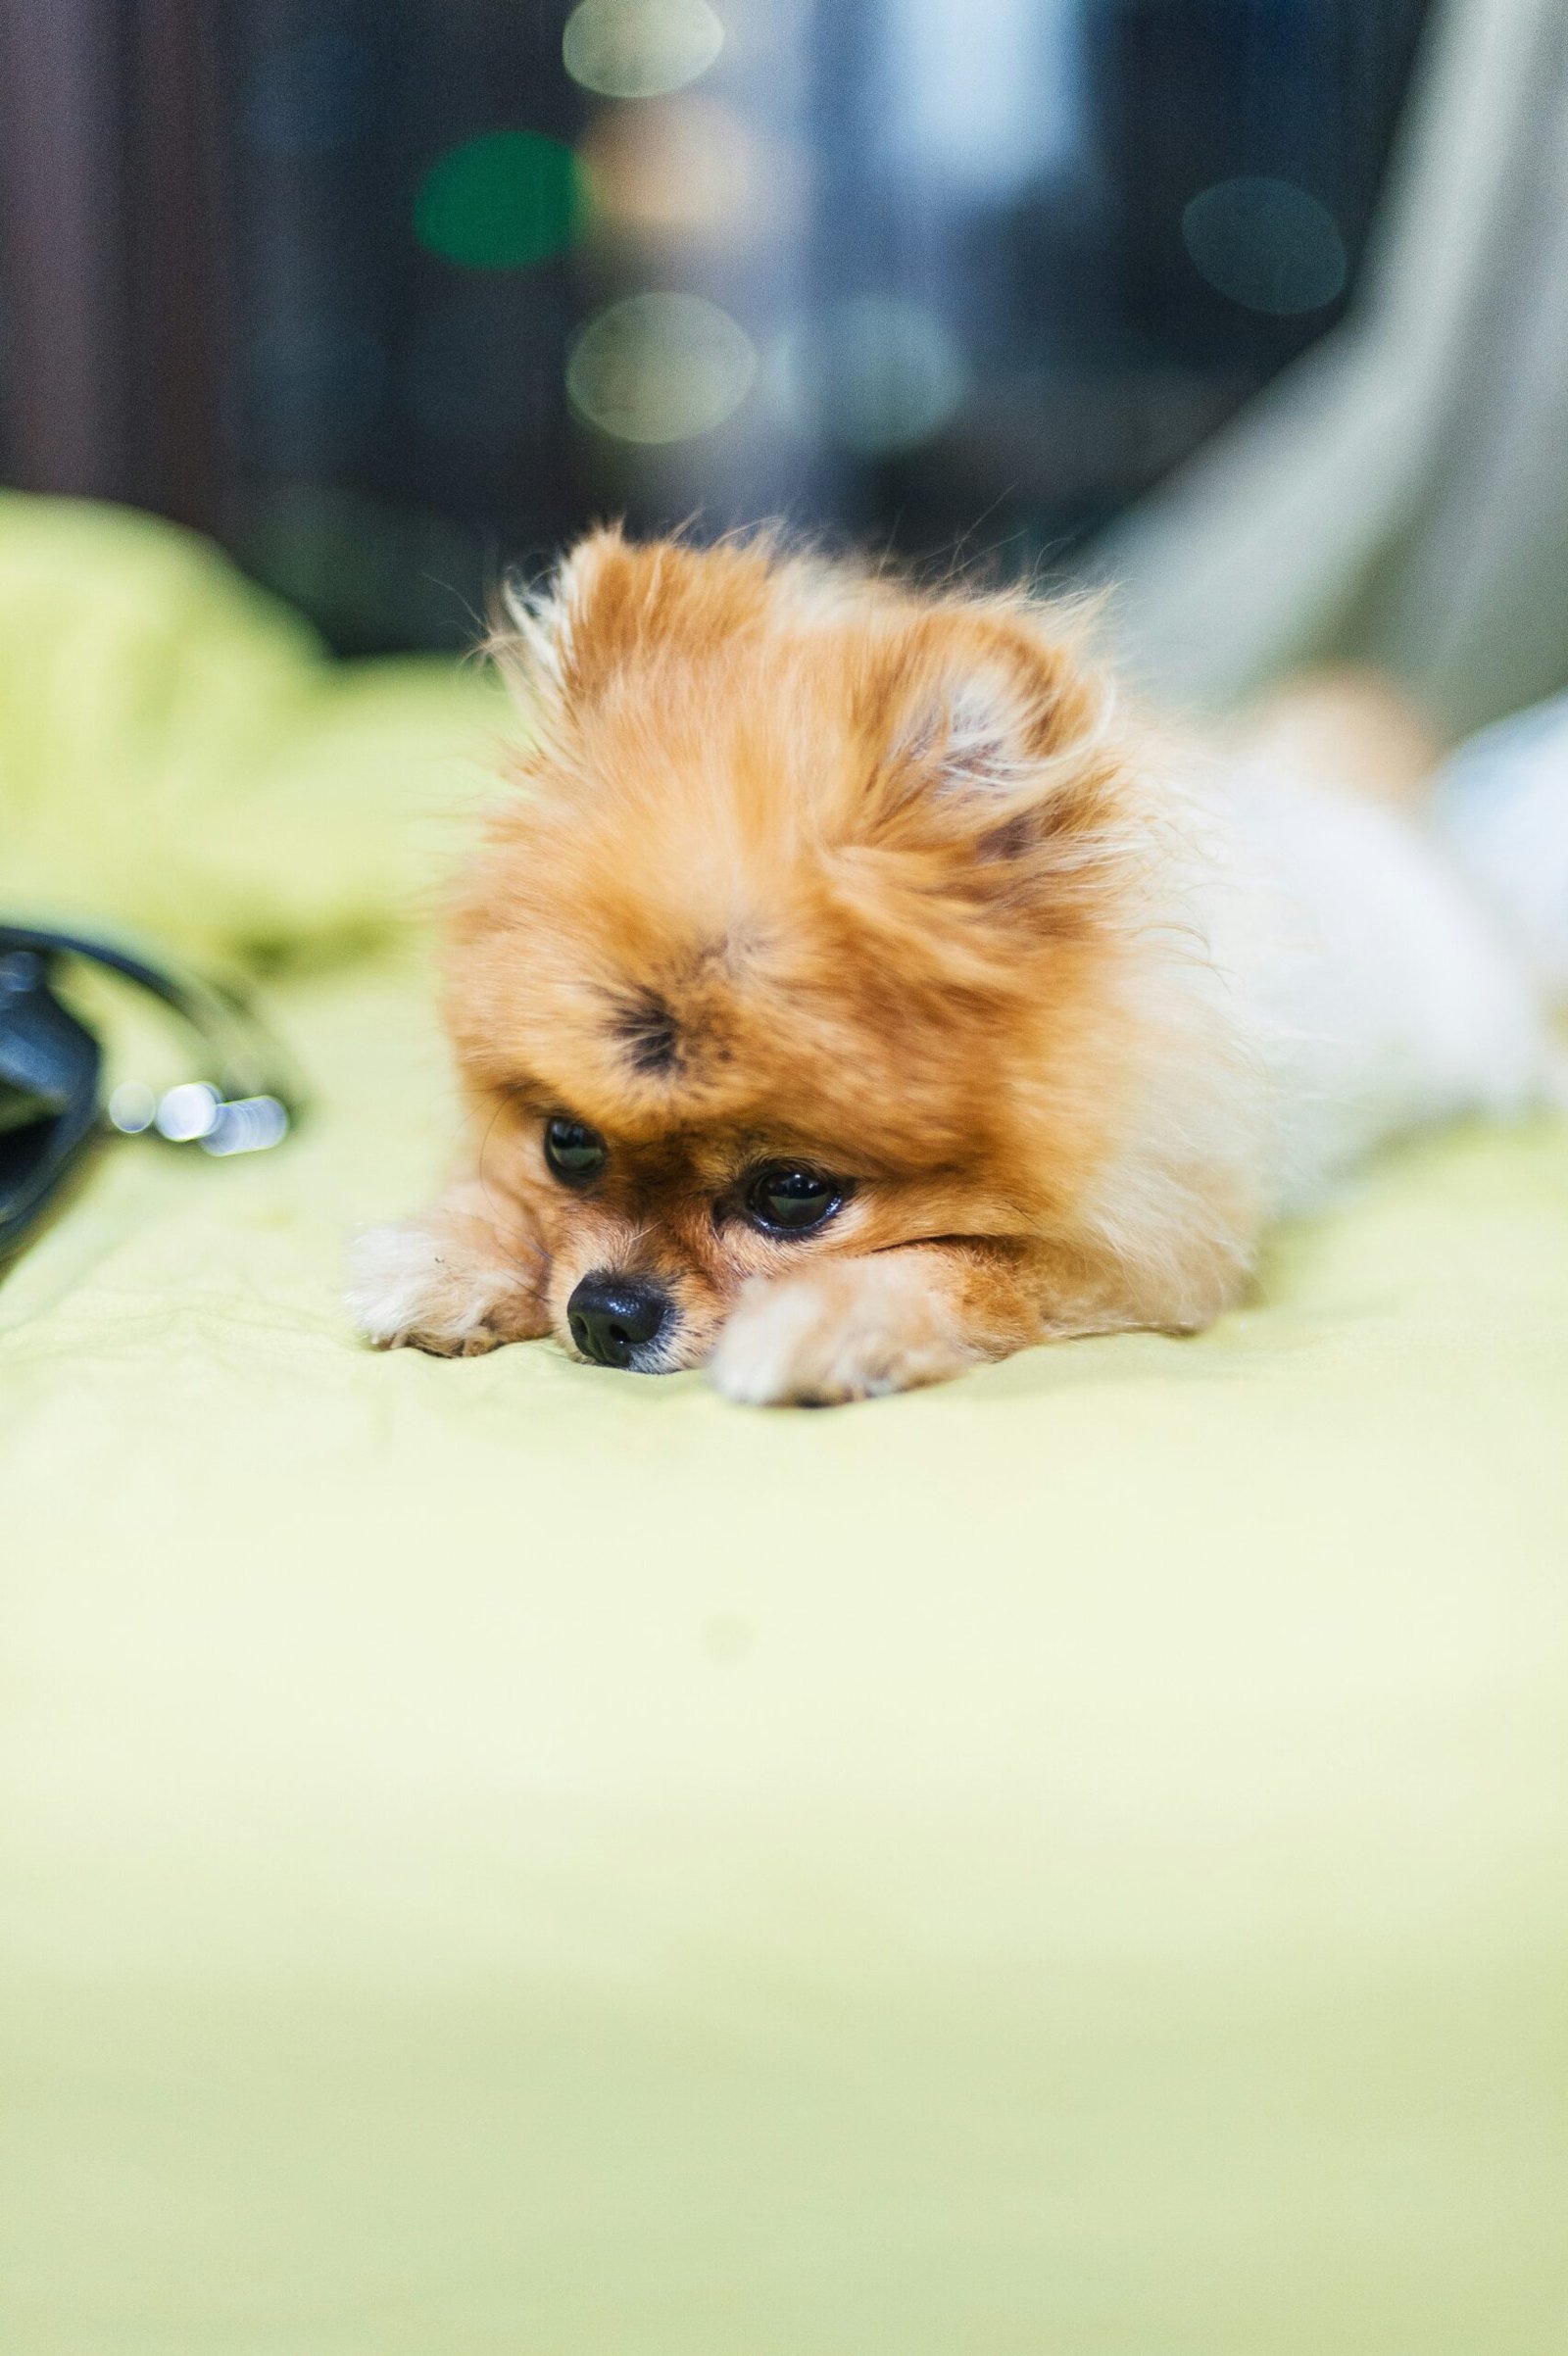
(387, 297)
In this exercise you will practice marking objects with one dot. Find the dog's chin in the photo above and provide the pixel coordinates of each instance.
(648, 1357)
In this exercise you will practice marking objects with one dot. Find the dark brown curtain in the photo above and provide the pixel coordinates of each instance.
(110, 184)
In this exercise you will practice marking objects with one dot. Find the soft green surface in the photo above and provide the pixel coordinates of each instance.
(504, 1859)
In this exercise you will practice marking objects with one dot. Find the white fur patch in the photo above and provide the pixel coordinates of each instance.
(1379, 997)
(1504, 805)
(406, 1287)
(759, 1358)
(853, 1332)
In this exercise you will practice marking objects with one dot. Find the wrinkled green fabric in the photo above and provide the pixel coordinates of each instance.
(178, 754)
(506, 1859)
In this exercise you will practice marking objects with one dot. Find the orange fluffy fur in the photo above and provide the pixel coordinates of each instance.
(798, 865)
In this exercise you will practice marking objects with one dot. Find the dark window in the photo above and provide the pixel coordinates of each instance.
(391, 296)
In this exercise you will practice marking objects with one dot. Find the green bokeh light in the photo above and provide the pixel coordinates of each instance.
(503, 201)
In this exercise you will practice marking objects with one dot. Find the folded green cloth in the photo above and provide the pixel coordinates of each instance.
(178, 755)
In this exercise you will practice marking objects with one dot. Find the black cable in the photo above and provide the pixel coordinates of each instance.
(254, 1063)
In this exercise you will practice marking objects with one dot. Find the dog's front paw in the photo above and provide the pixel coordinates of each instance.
(852, 1331)
(427, 1285)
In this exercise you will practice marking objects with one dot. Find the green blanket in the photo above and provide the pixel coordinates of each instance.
(504, 1859)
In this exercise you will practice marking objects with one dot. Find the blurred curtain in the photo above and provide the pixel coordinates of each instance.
(110, 239)
(1400, 495)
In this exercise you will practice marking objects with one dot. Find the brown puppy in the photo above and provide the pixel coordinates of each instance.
(836, 995)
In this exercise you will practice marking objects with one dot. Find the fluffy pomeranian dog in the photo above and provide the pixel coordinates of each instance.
(848, 991)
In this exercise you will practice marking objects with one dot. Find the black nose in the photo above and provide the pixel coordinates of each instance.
(609, 1316)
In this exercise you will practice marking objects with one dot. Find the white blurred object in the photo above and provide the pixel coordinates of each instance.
(1400, 496)
(187, 1112)
(133, 1109)
(247, 1125)
(640, 48)
(1502, 802)
(985, 94)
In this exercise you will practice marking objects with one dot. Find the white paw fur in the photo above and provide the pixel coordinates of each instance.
(824, 1339)
(413, 1286)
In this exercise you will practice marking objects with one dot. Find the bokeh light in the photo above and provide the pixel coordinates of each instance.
(660, 368)
(1267, 245)
(688, 167)
(876, 375)
(502, 201)
(640, 48)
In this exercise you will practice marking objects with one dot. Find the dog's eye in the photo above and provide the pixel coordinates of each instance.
(574, 1152)
(787, 1199)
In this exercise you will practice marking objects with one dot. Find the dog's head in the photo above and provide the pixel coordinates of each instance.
(798, 933)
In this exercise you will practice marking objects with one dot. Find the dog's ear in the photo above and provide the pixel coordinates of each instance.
(990, 729)
(615, 609)
(538, 631)
(966, 733)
